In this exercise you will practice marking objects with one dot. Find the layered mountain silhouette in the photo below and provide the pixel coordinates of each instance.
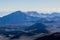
(39, 24)
(19, 17)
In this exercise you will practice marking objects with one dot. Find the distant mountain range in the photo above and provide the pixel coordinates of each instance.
(29, 23)
(31, 17)
(11, 25)
(19, 17)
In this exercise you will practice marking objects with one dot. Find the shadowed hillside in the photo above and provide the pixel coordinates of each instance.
(54, 36)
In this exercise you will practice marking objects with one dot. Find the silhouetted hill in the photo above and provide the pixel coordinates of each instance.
(54, 36)
(37, 28)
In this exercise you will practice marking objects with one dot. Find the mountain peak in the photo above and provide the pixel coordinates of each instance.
(16, 17)
(17, 12)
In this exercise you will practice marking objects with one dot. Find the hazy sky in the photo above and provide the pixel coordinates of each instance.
(7, 6)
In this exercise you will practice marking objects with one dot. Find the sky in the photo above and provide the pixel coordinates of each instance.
(45, 6)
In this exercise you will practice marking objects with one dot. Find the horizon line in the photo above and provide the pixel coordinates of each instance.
(27, 11)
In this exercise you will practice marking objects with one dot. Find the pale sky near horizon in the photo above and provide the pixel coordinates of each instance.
(45, 6)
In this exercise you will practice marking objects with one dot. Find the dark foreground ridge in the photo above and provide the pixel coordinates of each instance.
(54, 36)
